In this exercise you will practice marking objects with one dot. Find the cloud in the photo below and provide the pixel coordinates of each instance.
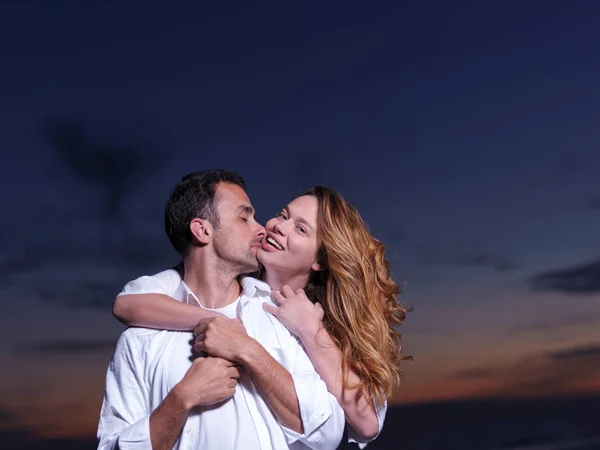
(84, 271)
(468, 258)
(477, 372)
(14, 438)
(98, 257)
(495, 262)
(544, 326)
(108, 160)
(5, 417)
(583, 279)
(545, 374)
(104, 272)
(86, 293)
(592, 351)
(65, 347)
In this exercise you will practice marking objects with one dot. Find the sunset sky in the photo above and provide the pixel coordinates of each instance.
(466, 133)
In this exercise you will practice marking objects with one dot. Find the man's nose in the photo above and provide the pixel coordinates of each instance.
(260, 231)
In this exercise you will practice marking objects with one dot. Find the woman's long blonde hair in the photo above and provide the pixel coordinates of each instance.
(358, 296)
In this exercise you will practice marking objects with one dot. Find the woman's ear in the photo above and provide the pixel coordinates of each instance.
(202, 230)
(317, 266)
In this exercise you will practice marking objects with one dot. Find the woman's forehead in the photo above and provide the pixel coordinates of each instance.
(304, 208)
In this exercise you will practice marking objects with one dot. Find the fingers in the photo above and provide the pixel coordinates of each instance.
(272, 309)
(234, 372)
(200, 329)
(200, 337)
(200, 344)
(299, 291)
(278, 297)
(287, 291)
(200, 347)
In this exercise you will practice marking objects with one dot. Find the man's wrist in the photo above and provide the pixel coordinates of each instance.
(180, 399)
(249, 352)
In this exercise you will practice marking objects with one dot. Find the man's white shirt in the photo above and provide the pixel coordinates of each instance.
(147, 364)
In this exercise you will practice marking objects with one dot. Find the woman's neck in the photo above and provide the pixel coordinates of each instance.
(277, 279)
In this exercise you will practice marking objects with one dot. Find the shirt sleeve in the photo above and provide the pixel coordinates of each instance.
(322, 416)
(125, 415)
(354, 437)
(165, 282)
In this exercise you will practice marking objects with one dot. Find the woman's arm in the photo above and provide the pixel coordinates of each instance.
(327, 359)
(158, 311)
(304, 319)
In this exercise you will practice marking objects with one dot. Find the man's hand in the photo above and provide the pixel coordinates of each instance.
(222, 337)
(208, 381)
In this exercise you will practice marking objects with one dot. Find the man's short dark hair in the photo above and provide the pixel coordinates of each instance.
(194, 197)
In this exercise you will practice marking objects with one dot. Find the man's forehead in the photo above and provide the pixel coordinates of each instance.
(232, 195)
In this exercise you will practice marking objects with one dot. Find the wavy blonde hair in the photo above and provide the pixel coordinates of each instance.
(358, 296)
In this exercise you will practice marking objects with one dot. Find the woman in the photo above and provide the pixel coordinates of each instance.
(332, 282)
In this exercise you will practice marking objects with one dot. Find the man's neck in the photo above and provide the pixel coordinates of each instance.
(277, 279)
(213, 288)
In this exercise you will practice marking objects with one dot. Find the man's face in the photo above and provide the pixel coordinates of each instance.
(239, 235)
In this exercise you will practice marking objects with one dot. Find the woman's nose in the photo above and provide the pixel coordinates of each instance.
(278, 229)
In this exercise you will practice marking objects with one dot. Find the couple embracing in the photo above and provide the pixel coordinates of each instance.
(267, 337)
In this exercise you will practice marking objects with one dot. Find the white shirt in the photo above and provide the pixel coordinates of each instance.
(147, 364)
(166, 282)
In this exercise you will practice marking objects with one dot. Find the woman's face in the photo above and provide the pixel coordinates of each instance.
(291, 243)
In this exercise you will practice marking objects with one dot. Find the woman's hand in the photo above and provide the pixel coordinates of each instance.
(296, 312)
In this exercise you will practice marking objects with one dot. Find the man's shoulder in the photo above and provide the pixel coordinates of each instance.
(136, 342)
(169, 276)
(165, 282)
(138, 336)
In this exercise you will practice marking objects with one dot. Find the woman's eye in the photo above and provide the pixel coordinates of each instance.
(282, 215)
(301, 229)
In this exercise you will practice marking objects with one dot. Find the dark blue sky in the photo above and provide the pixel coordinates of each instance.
(466, 134)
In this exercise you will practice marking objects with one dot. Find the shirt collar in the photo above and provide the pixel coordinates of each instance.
(251, 287)
(187, 295)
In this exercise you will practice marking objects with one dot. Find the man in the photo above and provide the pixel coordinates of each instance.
(258, 388)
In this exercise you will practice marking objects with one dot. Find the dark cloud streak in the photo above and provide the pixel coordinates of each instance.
(583, 279)
(545, 374)
(575, 353)
(468, 258)
(112, 163)
(548, 326)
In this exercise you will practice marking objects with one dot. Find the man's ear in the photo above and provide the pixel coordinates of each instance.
(202, 230)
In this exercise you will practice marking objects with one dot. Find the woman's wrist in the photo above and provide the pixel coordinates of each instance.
(309, 331)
